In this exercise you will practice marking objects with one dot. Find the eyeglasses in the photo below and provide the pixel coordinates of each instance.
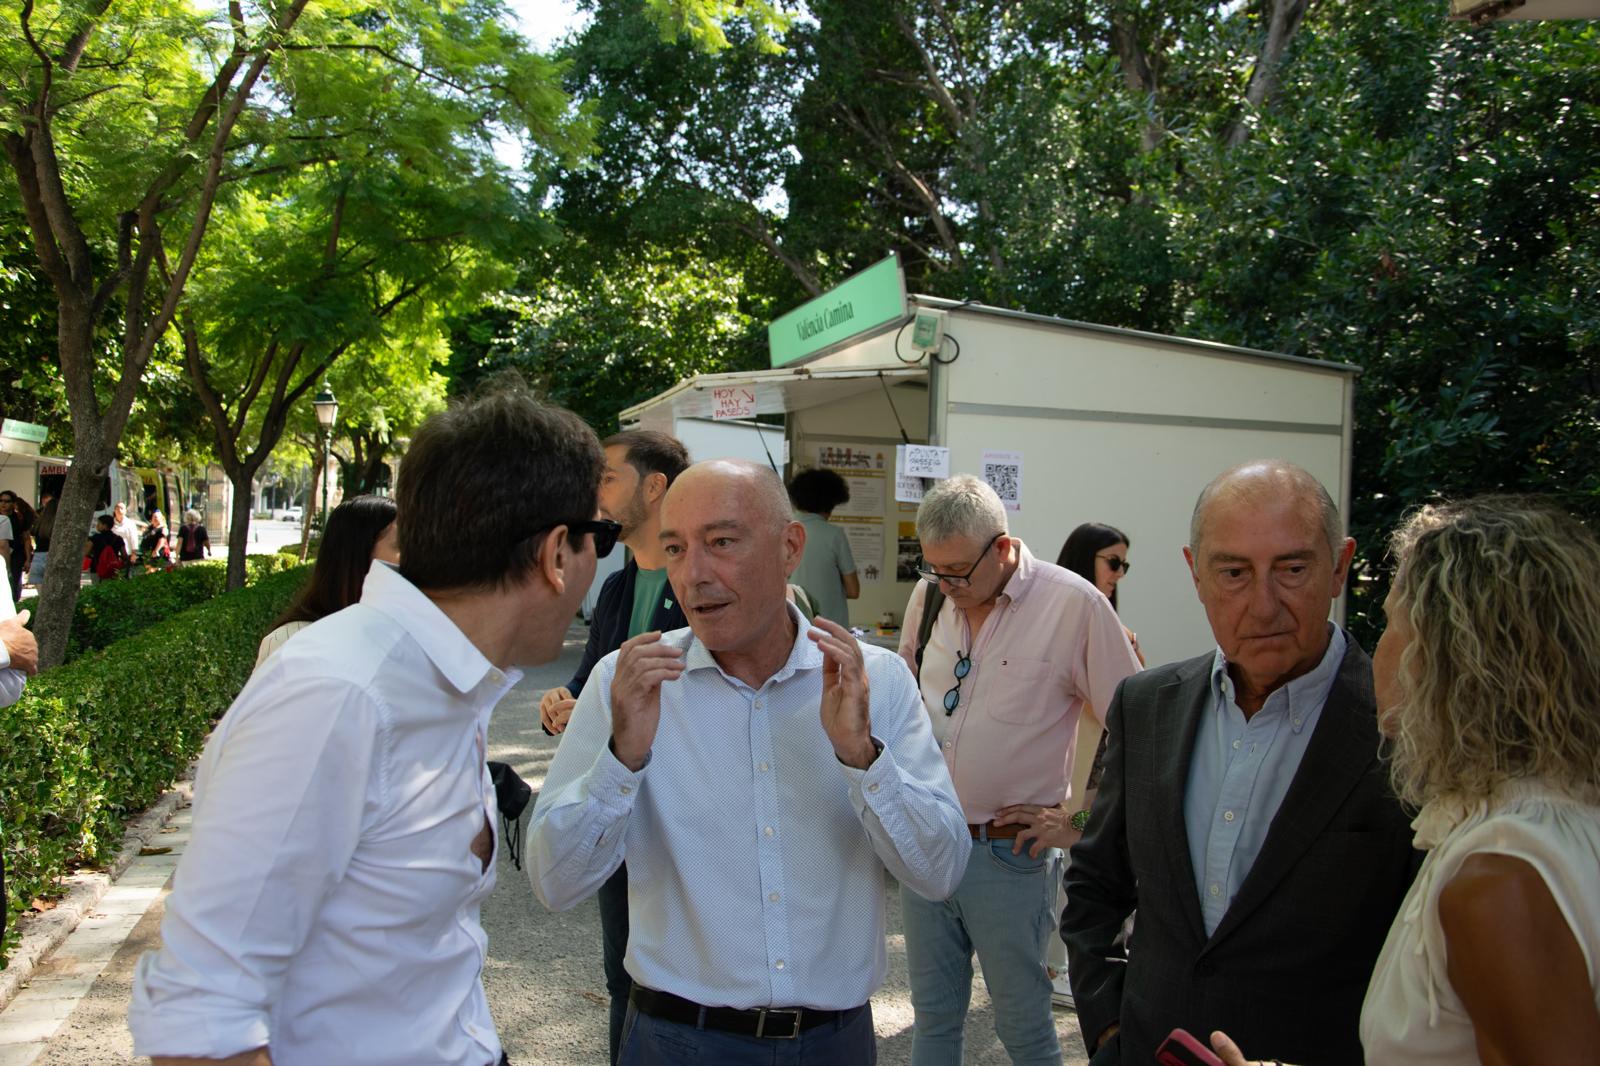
(605, 533)
(952, 699)
(955, 581)
(604, 530)
(1116, 562)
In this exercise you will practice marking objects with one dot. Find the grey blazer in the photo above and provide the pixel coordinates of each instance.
(1287, 968)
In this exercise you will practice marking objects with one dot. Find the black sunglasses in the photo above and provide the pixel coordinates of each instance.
(1116, 562)
(952, 699)
(604, 530)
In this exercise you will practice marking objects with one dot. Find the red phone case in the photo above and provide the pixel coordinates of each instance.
(1183, 1048)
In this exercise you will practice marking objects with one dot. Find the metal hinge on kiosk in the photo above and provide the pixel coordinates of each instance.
(927, 329)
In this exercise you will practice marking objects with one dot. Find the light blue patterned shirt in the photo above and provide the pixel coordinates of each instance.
(755, 858)
(1241, 770)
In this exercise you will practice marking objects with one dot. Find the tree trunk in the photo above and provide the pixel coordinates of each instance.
(58, 597)
(306, 512)
(239, 524)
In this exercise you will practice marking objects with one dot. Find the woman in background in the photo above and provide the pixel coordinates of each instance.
(1487, 681)
(42, 529)
(193, 540)
(359, 531)
(1098, 553)
(827, 570)
(155, 548)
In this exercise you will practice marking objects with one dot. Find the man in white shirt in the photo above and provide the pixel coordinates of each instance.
(19, 658)
(126, 528)
(326, 910)
(759, 776)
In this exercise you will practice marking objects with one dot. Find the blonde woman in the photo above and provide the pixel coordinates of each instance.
(1488, 680)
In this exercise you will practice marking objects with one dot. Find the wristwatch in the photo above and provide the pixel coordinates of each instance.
(1080, 820)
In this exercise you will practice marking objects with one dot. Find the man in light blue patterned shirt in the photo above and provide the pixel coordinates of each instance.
(759, 776)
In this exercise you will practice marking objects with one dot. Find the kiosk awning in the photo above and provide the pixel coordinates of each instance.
(770, 392)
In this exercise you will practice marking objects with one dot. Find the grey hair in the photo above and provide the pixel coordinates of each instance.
(191, 516)
(1275, 477)
(960, 506)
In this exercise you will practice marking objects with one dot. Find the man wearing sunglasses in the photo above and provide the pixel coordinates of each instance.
(326, 909)
(759, 774)
(641, 465)
(1018, 647)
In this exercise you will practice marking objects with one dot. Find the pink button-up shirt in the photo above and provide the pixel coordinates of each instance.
(1051, 644)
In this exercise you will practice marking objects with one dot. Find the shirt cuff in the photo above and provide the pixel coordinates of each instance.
(612, 784)
(877, 782)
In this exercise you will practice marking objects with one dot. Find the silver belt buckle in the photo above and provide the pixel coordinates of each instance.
(761, 1023)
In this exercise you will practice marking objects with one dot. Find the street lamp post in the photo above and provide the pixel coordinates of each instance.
(327, 409)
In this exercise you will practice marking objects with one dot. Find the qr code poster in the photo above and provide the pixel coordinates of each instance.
(1003, 472)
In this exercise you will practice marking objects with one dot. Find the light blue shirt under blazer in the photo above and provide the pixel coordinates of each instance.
(1241, 771)
(755, 858)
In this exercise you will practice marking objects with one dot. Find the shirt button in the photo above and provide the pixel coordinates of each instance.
(764, 767)
(625, 789)
(773, 896)
(768, 830)
(872, 788)
(1297, 723)
(758, 705)
(1236, 745)
(947, 744)
(778, 965)
(1227, 816)
(1216, 890)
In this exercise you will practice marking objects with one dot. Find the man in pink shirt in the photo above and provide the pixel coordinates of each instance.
(1018, 647)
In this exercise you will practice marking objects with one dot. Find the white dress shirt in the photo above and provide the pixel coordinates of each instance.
(327, 906)
(755, 858)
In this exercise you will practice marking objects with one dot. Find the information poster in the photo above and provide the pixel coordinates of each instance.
(866, 469)
(1003, 472)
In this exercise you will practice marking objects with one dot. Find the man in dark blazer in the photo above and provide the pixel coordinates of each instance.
(640, 466)
(1244, 811)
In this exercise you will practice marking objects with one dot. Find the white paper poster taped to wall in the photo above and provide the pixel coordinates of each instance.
(1003, 472)
(925, 460)
(866, 547)
(907, 488)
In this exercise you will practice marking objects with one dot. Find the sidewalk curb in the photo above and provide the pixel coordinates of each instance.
(43, 933)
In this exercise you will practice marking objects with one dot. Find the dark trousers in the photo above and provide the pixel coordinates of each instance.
(613, 897)
(650, 1041)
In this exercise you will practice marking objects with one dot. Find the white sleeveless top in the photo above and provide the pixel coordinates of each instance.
(1412, 1015)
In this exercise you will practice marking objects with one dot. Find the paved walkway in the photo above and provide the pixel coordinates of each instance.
(543, 977)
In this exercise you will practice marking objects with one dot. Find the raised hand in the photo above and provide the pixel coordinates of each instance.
(555, 709)
(845, 715)
(643, 664)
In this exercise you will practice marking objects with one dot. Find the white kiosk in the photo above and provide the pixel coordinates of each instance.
(1083, 423)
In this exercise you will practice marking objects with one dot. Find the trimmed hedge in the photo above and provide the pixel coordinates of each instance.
(113, 610)
(96, 740)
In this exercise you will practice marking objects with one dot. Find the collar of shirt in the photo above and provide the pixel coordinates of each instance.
(1305, 694)
(457, 658)
(1021, 580)
(803, 655)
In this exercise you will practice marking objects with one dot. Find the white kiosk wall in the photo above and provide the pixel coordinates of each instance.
(1127, 433)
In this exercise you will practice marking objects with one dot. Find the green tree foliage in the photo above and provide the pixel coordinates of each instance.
(1366, 183)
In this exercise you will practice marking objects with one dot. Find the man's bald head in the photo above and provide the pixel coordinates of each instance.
(765, 500)
(1264, 480)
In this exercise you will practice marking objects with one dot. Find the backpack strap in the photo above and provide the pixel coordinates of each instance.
(932, 600)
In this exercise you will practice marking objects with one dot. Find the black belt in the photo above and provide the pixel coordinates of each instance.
(770, 1023)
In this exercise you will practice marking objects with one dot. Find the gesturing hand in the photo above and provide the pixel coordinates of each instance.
(555, 709)
(20, 644)
(644, 663)
(845, 715)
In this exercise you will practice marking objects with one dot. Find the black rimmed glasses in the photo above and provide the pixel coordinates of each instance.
(956, 581)
(604, 531)
(1116, 562)
(952, 699)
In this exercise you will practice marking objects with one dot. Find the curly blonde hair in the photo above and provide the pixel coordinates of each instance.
(1501, 679)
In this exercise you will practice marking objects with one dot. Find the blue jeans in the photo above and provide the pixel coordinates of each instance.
(613, 900)
(1003, 911)
(648, 1041)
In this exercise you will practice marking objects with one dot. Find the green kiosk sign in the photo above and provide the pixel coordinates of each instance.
(23, 431)
(856, 305)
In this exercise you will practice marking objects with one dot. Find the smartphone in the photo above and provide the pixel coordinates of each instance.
(1183, 1048)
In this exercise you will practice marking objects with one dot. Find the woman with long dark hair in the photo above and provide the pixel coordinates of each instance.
(358, 532)
(1098, 553)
